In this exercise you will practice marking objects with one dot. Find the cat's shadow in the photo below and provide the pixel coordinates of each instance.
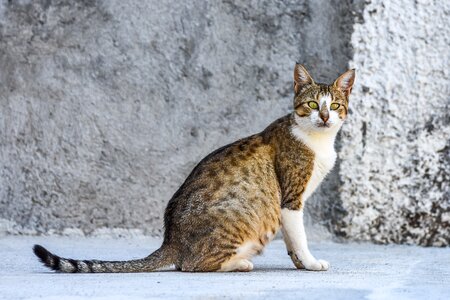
(256, 270)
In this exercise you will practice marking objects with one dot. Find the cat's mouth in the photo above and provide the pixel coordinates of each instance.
(324, 125)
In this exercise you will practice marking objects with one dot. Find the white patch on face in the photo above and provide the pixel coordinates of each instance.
(325, 99)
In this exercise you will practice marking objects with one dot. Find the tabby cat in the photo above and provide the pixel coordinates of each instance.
(237, 198)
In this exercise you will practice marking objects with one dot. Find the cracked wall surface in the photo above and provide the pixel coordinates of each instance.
(395, 148)
(106, 106)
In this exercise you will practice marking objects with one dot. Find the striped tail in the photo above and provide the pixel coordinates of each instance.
(158, 259)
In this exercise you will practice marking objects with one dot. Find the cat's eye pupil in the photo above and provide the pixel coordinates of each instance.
(313, 104)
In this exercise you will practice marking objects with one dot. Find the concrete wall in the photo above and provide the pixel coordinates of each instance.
(395, 154)
(106, 106)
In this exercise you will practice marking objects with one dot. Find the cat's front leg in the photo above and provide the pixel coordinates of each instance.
(295, 238)
(290, 251)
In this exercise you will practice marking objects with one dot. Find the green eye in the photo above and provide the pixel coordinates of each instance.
(334, 106)
(313, 104)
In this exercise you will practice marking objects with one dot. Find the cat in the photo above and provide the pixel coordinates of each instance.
(237, 198)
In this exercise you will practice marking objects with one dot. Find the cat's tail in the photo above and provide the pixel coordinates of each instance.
(158, 259)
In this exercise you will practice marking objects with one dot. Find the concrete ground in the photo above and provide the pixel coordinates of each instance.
(358, 271)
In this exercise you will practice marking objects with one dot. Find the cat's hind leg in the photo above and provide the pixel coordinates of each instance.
(241, 260)
(237, 264)
(220, 263)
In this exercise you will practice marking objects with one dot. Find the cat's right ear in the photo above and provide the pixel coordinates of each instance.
(345, 82)
(301, 78)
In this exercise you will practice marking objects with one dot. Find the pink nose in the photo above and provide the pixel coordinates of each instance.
(324, 118)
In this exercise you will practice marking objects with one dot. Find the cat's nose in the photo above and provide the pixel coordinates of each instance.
(324, 114)
(324, 118)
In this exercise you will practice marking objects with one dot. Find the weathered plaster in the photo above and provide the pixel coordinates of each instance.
(395, 154)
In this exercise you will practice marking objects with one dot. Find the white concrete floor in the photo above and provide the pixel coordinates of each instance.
(358, 271)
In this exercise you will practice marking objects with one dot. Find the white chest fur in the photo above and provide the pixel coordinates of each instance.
(322, 144)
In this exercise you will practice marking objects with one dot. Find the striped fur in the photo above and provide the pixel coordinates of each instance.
(236, 199)
(158, 259)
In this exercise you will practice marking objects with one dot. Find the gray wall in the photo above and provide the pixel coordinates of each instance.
(106, 106)
(395, 157)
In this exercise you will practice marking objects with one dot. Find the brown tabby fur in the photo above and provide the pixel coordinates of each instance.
(232, 197)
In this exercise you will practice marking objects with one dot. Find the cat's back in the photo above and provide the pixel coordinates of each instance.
(244, 162)
(226, 168)
(235, 182)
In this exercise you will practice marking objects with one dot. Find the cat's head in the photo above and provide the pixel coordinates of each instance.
(321, 107)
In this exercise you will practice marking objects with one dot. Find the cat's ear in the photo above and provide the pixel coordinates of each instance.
(301, 78)
(344, 83)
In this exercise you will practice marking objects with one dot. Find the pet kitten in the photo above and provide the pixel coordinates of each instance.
(237, 198)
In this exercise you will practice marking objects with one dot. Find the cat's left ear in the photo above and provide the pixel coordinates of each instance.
(345, 82)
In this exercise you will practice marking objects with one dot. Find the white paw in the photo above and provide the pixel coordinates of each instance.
(245, 265)
(316, 265)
